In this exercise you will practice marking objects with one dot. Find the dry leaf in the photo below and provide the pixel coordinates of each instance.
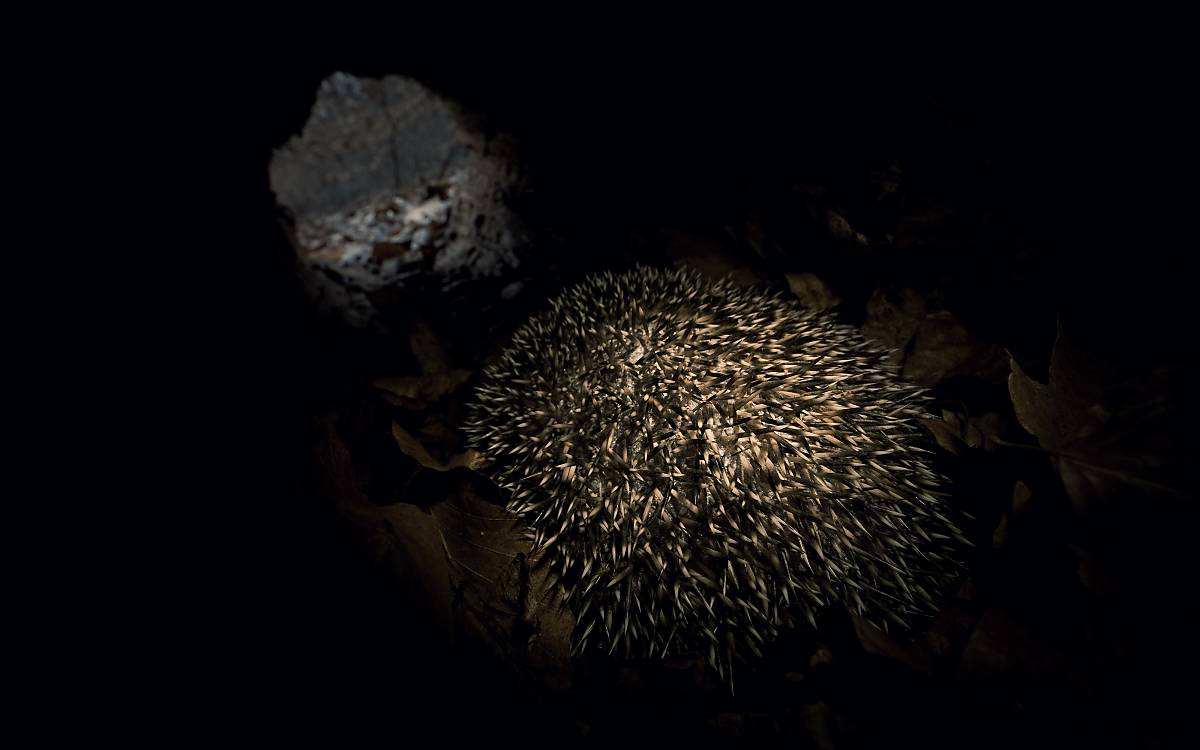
(1004, 647)
(708, 257)
(841, 230)
(931, 345)
(1022, 497)
(427, 348)
(945, 434)
(1071, 423)
(943, 348)
(1056, 413)
(506, 600)
(415, 532)
(462, 561)
(1013, 519)
(1000, 533)
(955, 433)
(874, 641)
(401, 536)
(438, 379)
(413, 448)
(421, 388)
(1108, 437)
(893, 318)
(952, 420)
(812, 291)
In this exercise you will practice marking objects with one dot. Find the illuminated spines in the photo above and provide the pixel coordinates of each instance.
(699, 465)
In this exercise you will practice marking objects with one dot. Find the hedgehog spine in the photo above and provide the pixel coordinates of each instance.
(700, 464)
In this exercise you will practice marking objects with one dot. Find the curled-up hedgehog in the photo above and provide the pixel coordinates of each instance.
(701, 465)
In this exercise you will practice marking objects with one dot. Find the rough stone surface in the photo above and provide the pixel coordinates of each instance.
(389, 188)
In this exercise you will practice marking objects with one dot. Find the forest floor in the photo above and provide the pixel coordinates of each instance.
(1060, 430)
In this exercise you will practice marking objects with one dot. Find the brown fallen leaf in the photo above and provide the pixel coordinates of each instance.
(419, 388)
(945, 433)
(821, 656)
(401, 536)
(438, 378)
(943, 348)
(1022, 497)
(1014, 517)
(427, 348)
(874, 641)
(841, 230)
(812, 291)
(1106, 434)
(437, 431)
(707, 256)
(893, 317)
(930, 224)
(1099, 433)
(506, 600)
(1000, 533)
(1006, 647)
(1092, 572)
(413, 448)
(464, 561)
(984, 430)
(1056, 413)
(930, 345)
(824, 728)
(956, 432)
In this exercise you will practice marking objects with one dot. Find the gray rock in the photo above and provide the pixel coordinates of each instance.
(390, 188)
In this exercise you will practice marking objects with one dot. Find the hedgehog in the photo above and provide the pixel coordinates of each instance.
(701, 466)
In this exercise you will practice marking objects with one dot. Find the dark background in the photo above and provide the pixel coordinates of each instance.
(1066, 155)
